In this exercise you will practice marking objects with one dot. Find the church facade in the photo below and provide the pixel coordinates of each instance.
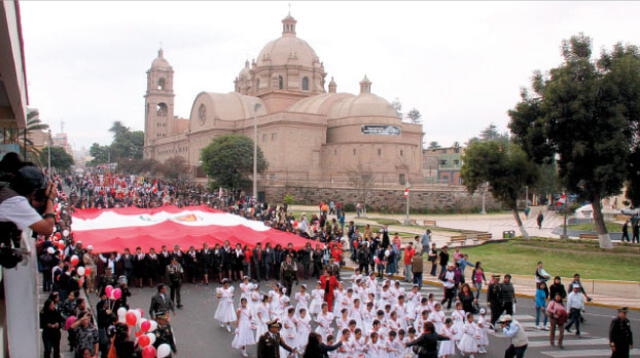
(308, 131)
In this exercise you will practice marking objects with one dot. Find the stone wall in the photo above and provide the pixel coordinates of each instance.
(437, 198)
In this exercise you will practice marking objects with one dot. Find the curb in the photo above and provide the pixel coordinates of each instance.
(523, 295)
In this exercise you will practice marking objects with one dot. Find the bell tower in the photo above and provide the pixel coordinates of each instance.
(158, 114)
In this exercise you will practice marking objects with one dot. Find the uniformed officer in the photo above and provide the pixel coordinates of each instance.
(494, 298)
(620, 336)
(175, 274)
(288, 273)
(164, 333)
(270, 342)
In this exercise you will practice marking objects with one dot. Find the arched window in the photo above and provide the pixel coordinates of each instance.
(161, 84)
(280, 82)
(257, 84)
(305, 84)
(161, 109)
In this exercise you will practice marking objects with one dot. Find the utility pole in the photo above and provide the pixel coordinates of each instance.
(407, 221)
(49, 154)
(255, 152)
(484, 193)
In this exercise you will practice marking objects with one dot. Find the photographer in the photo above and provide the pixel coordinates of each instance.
(519, 340)
(26, 194)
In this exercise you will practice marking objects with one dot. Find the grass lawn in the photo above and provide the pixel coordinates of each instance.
(611, 227)
(563, 258)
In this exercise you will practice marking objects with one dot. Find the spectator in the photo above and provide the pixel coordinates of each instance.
(409, 252)
(557, 288)
(478, 278)
(542, 293)
(51, 321)
(558, 316)
(426, 239)
(519, 340)
(575, 305)
(417, 267)
(433, 258)
(507, 295)
(86, 336)
(444, 258)
(620, 335)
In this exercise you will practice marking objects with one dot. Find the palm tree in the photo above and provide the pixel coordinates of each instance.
(23, 138)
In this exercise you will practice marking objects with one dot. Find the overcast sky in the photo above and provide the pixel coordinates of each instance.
(461, 64)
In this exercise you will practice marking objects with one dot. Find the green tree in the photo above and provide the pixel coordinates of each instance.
(126, 144)
(60, 159)
(100, 154)
(228, 160)
(505, 167)
(583, 112)
(434, 145)
(175, 168)
(415, 116)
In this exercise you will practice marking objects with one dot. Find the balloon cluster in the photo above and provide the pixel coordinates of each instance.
(143, 328)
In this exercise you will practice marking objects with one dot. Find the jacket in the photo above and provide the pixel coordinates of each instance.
(269, 345)
(429, 344)
(417, 264)
(160, 304)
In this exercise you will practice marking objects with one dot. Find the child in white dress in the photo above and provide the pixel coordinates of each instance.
(437, 318)
(302, 298)
(262, 317)
(483, 327)
(289, 331)
(468, 345)
(447, 348)
(324, 320)
(303, 323)
(411, 336)
(317, 296)
(245, 288)
(375, 348)
(458, 317)
(394, 346)
(244, 333)
(225, 313)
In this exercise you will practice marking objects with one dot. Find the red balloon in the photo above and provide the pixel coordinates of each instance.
(57, 235)
(143, 341)
(75, 260)
(149, 351)
(87, 271)
(139, 333)
(131, 319)
(144, 326)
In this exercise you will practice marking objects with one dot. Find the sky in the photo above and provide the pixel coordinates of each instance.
(461, 64)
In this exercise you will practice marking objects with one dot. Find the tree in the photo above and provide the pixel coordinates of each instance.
(415, 116)
(228, 161)
(100, 154)
(140, 166)
(175, 168)
(582, 112)
(397, 106)
(434, 145)
(362, 179)
(126, 143)
(505, 167)
(60, 159)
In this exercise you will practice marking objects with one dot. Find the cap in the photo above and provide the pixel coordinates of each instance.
(623, 309)
(274, 324)
(495, 276)
(483, 311)
(506, 318)
(575, 285)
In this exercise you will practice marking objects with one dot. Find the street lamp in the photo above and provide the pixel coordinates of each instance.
(255, 151)
(49, 154)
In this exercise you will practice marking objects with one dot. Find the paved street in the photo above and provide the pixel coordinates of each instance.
(198, 335)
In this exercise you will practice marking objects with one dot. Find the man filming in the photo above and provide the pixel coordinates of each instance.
(519, 340)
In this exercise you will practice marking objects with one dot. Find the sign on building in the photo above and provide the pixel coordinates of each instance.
(381, 130)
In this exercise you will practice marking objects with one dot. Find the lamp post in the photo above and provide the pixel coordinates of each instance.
(255, 151)
(49, 154)
(484, 193)
(407, 221)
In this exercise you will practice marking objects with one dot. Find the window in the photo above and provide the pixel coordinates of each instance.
(335, 151)
(274, 136)
(402, 179)
(379, 152)
(161, 109)
(280, 82)
(456, 161)
(161, 84)
(305, 84)
(443, 162)
(264, 137)
(354, 151)
(257, 84)
(401, 152)
(445, 179)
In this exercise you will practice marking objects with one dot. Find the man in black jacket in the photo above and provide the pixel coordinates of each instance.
(620, 336)
(428, 342)
(494, 298)
(160, 302)
(269, 343)
(256, 262)
(268, 260)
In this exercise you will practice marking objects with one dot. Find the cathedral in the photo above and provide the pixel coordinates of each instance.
(308, 131)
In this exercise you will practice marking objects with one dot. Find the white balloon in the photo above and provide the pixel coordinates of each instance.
(81, 271)
(138, 314)
(122, 319)
(65, 233)
(152, 338)
(122, 312)
(51, 250)
(154, 325)
(163, 350)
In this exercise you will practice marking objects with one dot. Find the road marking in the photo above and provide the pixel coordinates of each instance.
(532, 334)
(587, 353)
(572, 342)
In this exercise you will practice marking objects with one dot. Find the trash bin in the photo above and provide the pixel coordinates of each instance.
(508, 234)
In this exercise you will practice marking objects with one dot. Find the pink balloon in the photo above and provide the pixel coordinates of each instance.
(108, 290)
(117, 293)
(71, 320)
(149, 352)
(144, 327)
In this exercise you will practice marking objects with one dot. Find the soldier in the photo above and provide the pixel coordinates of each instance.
(270, 342)
(288, 273)
(164, 333)
(175, 275)
(620, 336)
(493, 298)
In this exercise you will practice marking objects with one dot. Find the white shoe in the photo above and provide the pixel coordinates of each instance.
(244, 353)
(221, 325)
(228, 328)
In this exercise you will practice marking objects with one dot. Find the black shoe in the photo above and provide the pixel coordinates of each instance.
(180, 306)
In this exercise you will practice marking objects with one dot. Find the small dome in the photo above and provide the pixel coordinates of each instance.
(319, 104)
(245, 72)
(228, 106)
(160, 62)
(365, 104)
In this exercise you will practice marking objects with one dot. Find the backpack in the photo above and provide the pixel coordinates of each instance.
(441, 276)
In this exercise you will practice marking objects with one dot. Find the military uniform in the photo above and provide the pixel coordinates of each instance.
(620, 337)
(494, 296)
(164, 334)
(175, 274)
(269, 345)
(288, 273)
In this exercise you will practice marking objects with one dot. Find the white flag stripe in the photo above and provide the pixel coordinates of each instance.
(112, 220)
(587, 353)
(571, 342)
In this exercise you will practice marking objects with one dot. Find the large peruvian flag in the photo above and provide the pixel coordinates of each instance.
(116, 229)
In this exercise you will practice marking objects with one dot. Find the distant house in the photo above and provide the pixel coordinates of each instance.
(442, 165)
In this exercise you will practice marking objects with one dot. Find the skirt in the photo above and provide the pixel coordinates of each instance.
(243, 337)
(316, 307)
(225, 312)
(447, 348)
(261, 328)
(468, 344)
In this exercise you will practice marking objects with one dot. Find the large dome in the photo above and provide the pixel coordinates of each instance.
(288, 49)
(365, 104)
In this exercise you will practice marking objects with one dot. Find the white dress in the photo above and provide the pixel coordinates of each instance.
(288, 334)
(408, 351)
(225, 312)
(483, 328)
(447, 348)
(394, 348)
(324, 324)
(458, 323)
(437, 318)
(376, 350)
(316, 302)
(302, 301)
(469, 343)
(261, 318)
(244, 334)
(245, 289)
(304, 328)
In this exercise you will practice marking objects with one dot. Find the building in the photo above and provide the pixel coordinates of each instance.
(442, 165)
(308, 131)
